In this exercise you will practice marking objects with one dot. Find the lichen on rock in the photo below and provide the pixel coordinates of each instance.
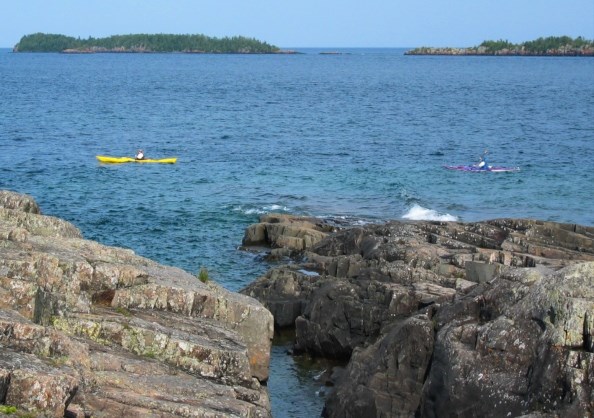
(101, 331)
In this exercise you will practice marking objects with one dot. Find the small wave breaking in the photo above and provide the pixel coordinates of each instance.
(261, 210)
(419, 213)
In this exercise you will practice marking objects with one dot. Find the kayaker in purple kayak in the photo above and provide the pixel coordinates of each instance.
(482, 164)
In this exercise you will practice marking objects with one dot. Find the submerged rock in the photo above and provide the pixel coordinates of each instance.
(445, 318)
(91, 330)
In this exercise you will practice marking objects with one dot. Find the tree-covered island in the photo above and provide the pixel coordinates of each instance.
(42, 42)
(550, 46)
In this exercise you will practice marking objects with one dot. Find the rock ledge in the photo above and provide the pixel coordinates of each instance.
(91, 330)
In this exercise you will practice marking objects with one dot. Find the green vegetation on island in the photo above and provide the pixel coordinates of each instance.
(41, 42)
(550, 46)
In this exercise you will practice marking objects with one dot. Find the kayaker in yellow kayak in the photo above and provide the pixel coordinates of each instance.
(116, 160)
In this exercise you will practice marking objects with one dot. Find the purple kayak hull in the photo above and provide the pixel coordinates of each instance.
(474, 169)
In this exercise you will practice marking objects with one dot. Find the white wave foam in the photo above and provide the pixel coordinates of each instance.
(419, 213)
(274, 208)
(262, 210)
(253, 211)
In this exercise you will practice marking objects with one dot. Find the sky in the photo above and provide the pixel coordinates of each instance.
(306, 23)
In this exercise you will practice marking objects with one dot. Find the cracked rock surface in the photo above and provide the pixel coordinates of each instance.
(490, 318)
(92, 330)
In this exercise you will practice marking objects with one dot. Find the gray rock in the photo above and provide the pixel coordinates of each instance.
(445, 319)
(285, 292)
(285, 231)
(386, 378)
(514, 347)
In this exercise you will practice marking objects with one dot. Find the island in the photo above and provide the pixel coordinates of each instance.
(144, 43)
(551, 46)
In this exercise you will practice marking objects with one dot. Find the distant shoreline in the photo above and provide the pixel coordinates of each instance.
(562, 46)
(472, 52)
(144, 43)
(132, 51)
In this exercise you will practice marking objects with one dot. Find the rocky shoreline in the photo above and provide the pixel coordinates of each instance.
(490, 318)
(91, 330)
(482, 51)
(140, 50)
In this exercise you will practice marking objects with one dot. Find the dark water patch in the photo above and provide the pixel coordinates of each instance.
(301, 378)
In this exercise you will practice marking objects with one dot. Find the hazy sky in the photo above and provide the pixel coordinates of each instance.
(306, 23)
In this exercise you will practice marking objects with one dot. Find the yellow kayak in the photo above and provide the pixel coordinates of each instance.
(118, 160)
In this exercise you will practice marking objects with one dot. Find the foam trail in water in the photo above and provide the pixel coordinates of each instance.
(261, 210)
(272, 208)
(419, 213)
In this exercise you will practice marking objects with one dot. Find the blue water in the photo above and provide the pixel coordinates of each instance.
(360, 135)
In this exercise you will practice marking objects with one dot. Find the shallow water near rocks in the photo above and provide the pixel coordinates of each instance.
(360, 136)
(301, 379)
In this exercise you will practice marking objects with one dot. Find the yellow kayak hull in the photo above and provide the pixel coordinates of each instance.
(119, 160)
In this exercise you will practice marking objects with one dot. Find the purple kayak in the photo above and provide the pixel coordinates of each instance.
(475, 169)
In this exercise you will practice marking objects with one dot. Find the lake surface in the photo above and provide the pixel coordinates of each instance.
(360, 135)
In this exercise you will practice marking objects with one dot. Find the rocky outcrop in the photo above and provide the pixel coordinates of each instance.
(386, 379)
(286, 234)
(87, 329)
(17, 201)
(494, 352)
(438, 318)
(515, 346)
